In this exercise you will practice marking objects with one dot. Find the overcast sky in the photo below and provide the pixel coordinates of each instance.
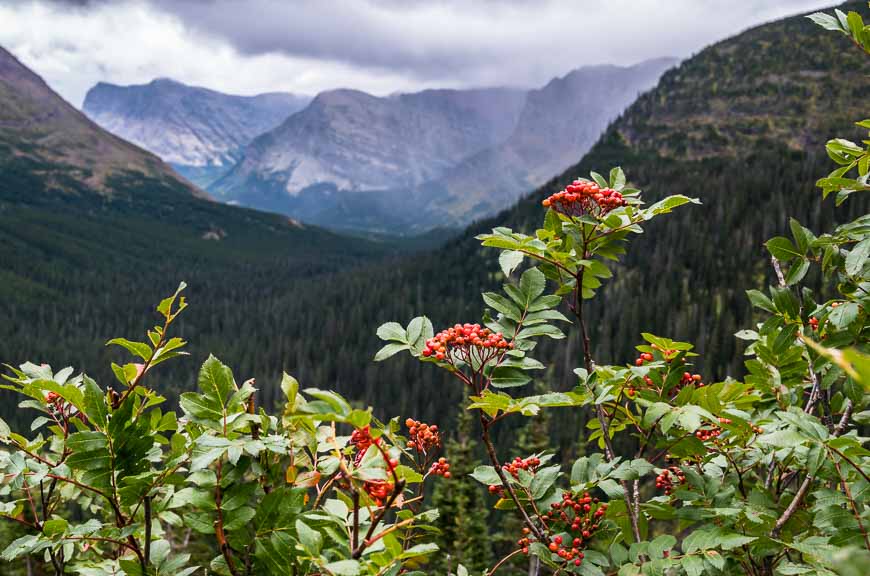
(381, 46)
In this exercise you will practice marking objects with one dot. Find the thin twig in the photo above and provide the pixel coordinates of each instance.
(805, 486)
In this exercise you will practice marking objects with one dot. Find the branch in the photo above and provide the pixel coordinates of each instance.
(805, 486)
(147, 532)
(631, 508)
(490, 449)
(225, 549)
(501, 562)
(857, 514)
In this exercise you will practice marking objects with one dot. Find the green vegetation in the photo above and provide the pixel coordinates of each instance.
(763, 475)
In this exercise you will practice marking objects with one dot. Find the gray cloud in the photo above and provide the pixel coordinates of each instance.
(376, 45)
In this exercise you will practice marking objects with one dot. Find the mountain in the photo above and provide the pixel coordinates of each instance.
(39, 129)
(435, 158)
(350, 141)
(200, 132)
(558, 124)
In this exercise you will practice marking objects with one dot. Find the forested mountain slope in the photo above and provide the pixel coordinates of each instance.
(731, 125)
(757, 109)
(93, 230)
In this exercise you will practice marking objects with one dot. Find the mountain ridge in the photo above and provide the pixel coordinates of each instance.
(359, 161)
(199, 131)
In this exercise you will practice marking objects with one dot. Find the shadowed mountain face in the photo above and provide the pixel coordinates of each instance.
(439, 157)
(200, 132)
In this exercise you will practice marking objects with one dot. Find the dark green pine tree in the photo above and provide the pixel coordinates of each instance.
(464, 512)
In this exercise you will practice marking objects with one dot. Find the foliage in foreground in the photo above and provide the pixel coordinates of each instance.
(765, 476)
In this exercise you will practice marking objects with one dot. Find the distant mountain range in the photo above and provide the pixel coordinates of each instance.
(200, 132)
(408, 162)
(69, 187)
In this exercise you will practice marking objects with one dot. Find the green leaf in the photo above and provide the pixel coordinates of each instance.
(509, 377)
(599, 179)
(633, 470)
(844, 314)
(140, 349)
(54, 526)
(419, 550)
(693, 565)
(290, 388)
(532, 283)
(95, 404)
(617, 178)
(508, 260)
(826, 21)
(392, 331)
(486, 475)
(666, 205)
(540, 330)
(782, 249)
(419, 330)
(797, 271)
(390, 350)
(543, 480)
(658, 546)
(501, 304)
(310, 539)
(857, 257)
(759, 300)
(216, 380)
(344, 568)
(4, 432)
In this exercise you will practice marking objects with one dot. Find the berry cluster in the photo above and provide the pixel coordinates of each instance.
(378, 490)
(691, 379)
(423, 437)
(578, 515)
(583, 197)
(440, 468)
(55, 400)
(814, 324)
(513, 468)
(361, 439)
(464, 340)
(665, 479)
(643, 359)
(712, 433)
(61, 409)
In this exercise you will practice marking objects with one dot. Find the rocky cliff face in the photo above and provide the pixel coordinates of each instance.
(201, 132)
(352, 141)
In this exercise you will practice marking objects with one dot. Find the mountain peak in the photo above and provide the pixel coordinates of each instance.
(199, 130)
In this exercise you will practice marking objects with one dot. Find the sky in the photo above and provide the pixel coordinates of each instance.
(380, 46)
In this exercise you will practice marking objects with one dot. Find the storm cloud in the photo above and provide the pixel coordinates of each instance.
(382, 46)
